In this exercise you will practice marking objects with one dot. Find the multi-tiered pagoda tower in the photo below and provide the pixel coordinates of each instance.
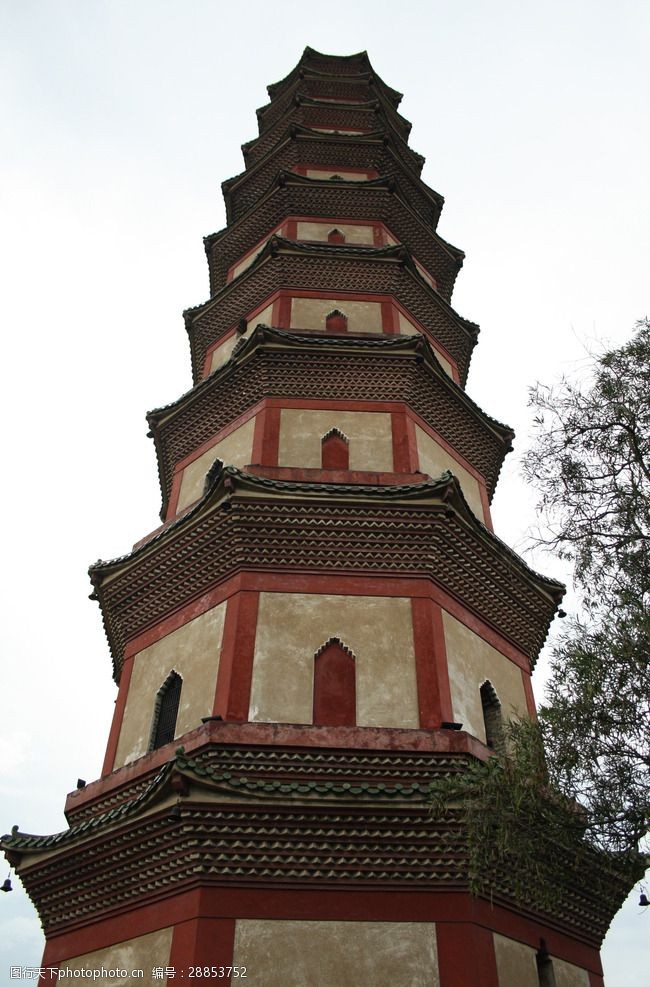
(325, 621)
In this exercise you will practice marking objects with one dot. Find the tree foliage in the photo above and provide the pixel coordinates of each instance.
(591, 464)
(576, 786)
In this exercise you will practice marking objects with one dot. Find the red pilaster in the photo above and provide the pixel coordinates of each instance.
(118, 716)
(466, 955)
(207, 942)
(232, 696)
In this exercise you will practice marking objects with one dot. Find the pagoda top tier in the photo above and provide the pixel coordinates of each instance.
(314, 64)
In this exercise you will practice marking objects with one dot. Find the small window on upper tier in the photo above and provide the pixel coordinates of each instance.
(335, 236)
(492, 716)
(335, 701)
(335, 451)
(165, 711)
(336, 321)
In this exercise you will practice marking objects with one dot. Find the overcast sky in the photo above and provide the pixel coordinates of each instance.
(119, 121)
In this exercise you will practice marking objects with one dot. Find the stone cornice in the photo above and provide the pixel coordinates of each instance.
(380, 199)
(248, 522)
(324, 366)
(284, 817)
(302, 146)
(360, 270)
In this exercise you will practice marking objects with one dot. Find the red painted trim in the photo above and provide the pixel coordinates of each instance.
(338, 585)
(232, 696)
(222, 591)
(462, 922)
(335, 696)
(129, 925)
(389, 320)
(284, 311)
(202, 942)
(403, 460)
(442, 665)
(485, 502)
(266, 440)
(466, 955)
(425, 666)
(118, 717)
(207, 363)
(291, 229)
(528, 692)
(223, 433)
(442, 442)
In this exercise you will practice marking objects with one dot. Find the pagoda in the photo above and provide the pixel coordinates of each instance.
(325, 622)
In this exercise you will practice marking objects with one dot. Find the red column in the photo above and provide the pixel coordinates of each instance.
(202, 942)
(466, 955)
(233, 691)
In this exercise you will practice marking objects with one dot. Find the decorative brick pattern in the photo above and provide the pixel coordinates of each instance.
(318, 368)
(364, 271)
(336, 535)
(323, 150)
(369, 201)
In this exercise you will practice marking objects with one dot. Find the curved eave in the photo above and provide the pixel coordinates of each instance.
(297, 131)
(399, 129)
(262, 336)
(384, 182)
(227, 492)
(398, 254)
(275, 88)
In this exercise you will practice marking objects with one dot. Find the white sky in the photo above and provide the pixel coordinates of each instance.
(119, 120)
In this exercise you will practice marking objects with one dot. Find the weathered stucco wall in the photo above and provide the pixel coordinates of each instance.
(337, 954)
(293, 626)
(301, 431)
(142, 953)
(310, 313)
(471, 661)
(434, 460)
(193, 652)
(235, 450)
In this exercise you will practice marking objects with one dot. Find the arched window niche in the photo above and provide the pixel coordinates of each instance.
(335, 236)
(335, 697)
(492, 717)
(165, 712)
(336, 321)
(335, 450)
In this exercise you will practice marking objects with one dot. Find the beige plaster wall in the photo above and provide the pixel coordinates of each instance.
(407, 328)
(263, 318)
(320, 231)
(301, 431)
(434, 460)
(292, 627)
(568, 975)
(192, 651)
(235, 450)
(471, 661)
(221, 353)
(244, 264)
(310, 313)
(516, 963)
(350, 176)
(337, 954)
(142, 953)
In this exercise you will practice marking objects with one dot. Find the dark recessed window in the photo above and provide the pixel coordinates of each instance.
(166, 711)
